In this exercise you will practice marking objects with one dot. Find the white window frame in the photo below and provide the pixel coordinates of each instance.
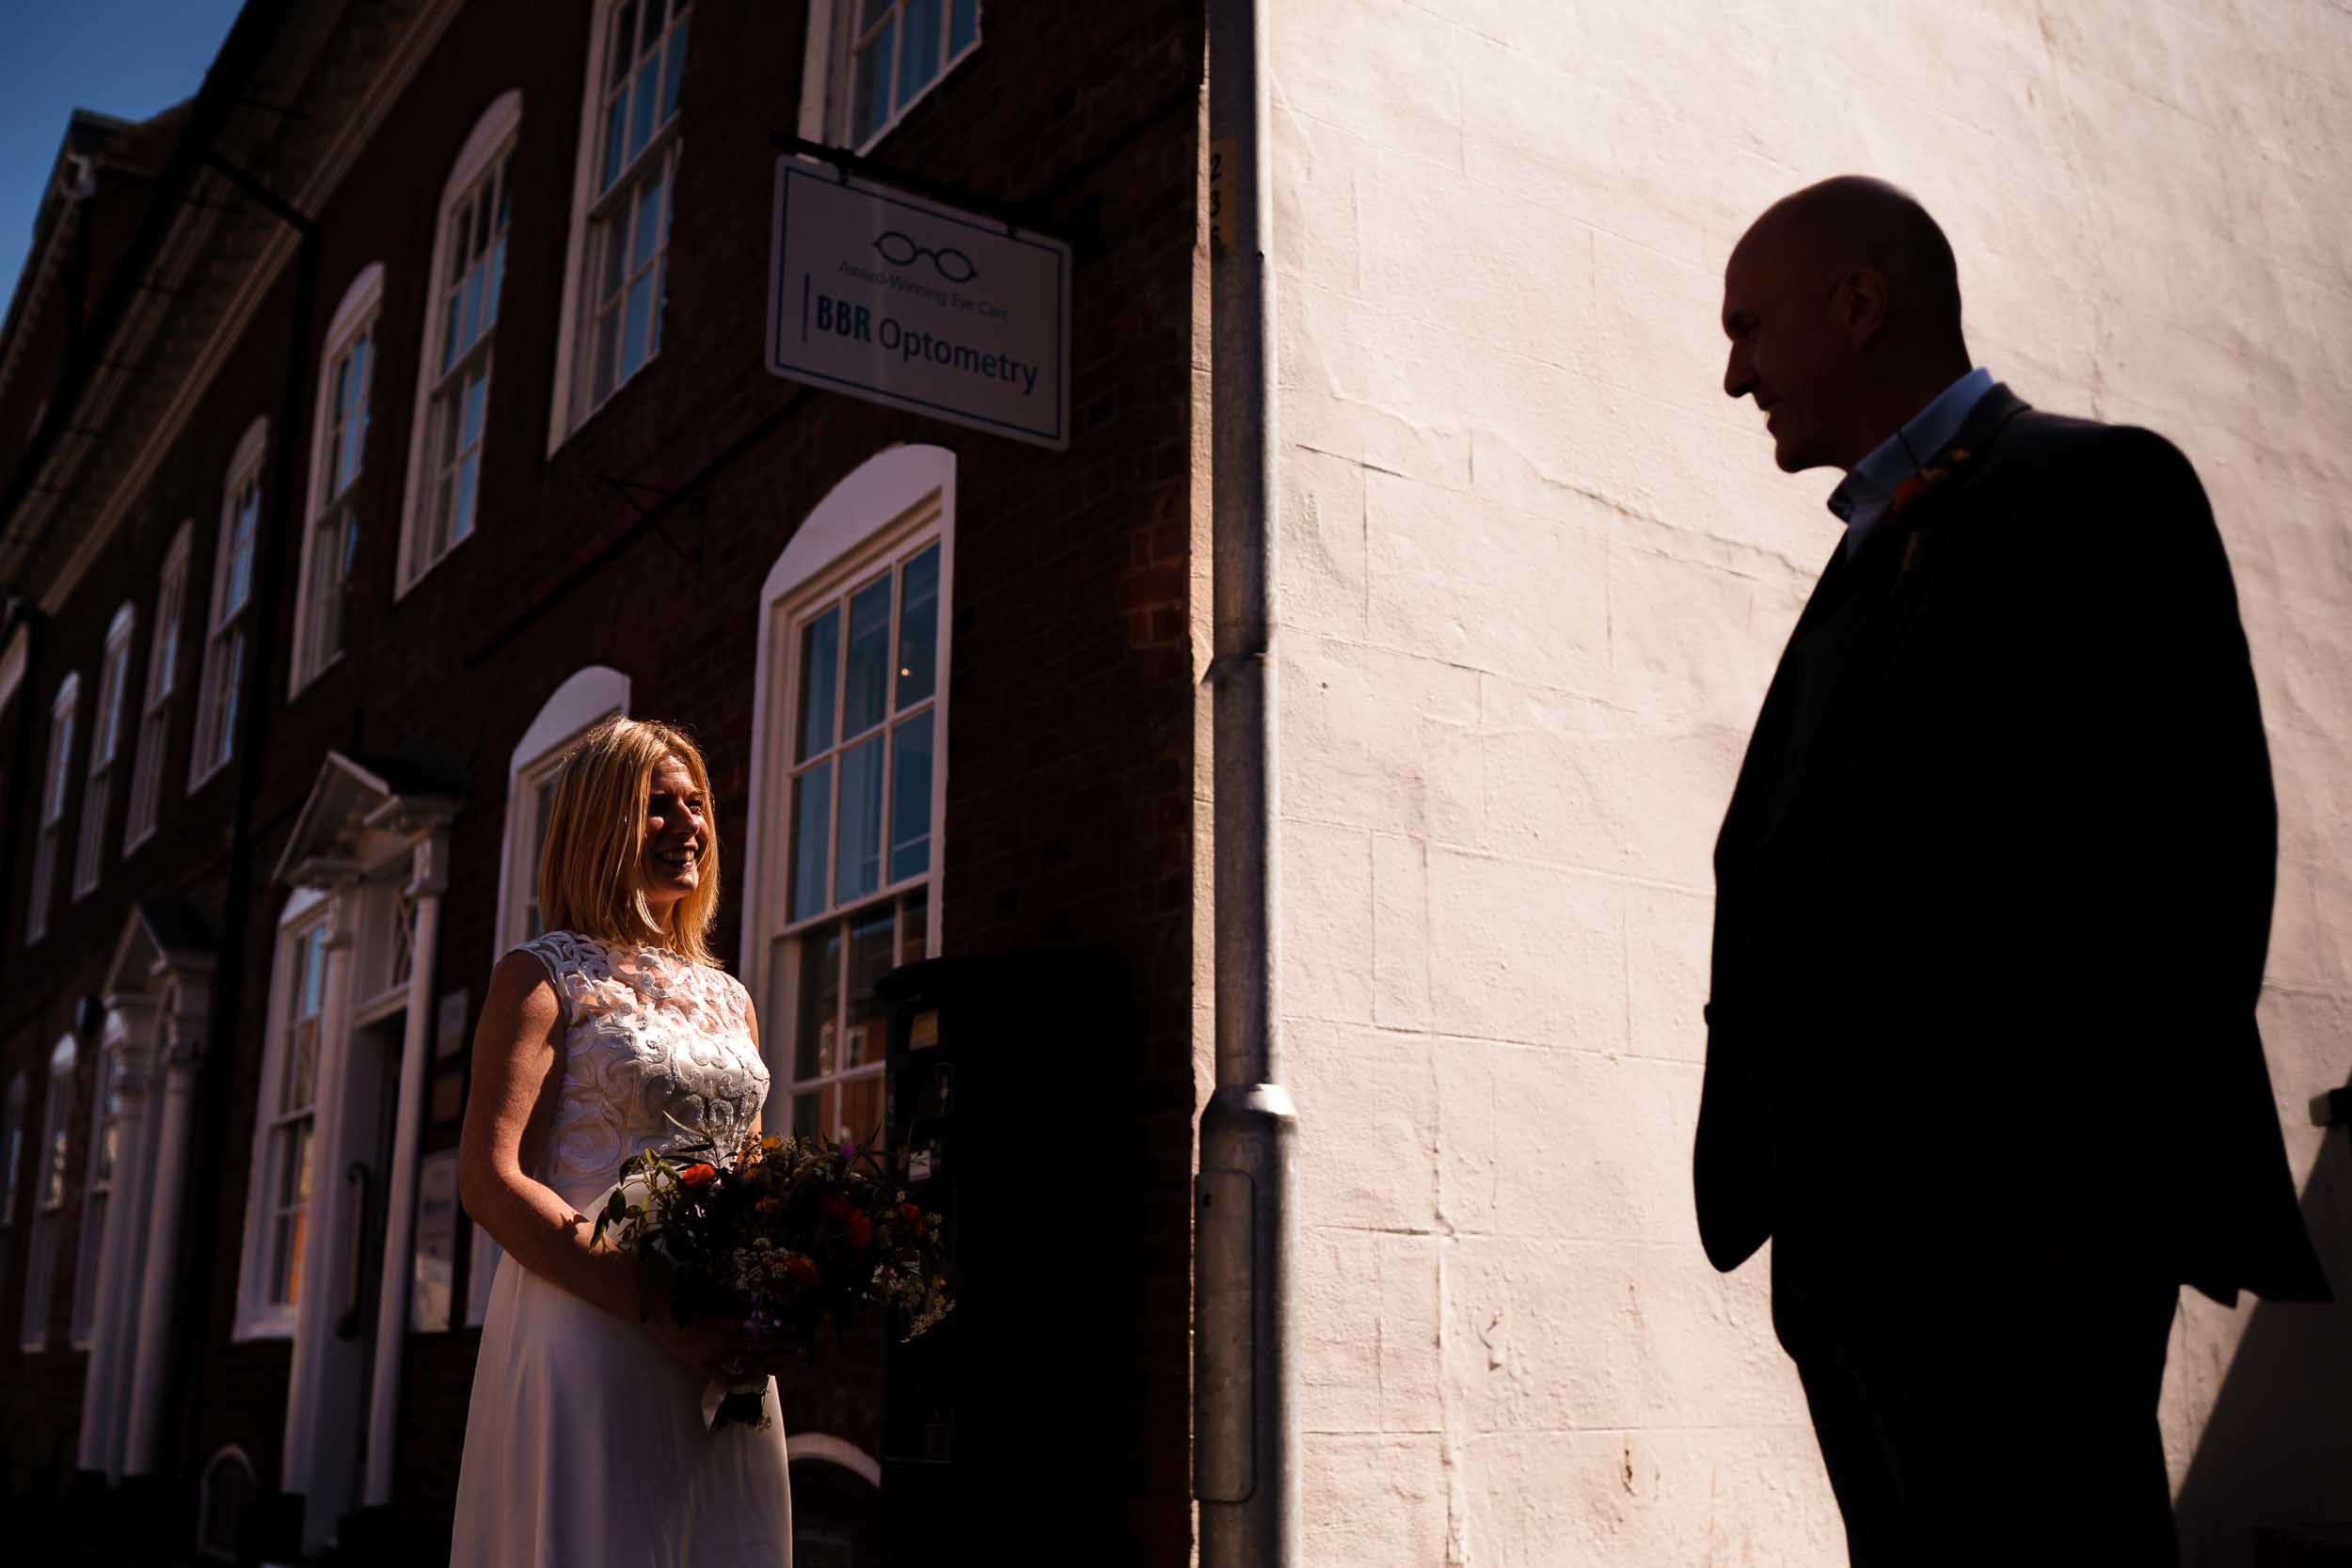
(162, 682)
(257, 1317)
(827, 91)
(57, 1120)
(98, 1181)
(351, 328)
(11, 1157)
(888, 510)
(65, 708)
(488, 147)
(229, 656)
(106, 746)
(597, 206)
(586, 697)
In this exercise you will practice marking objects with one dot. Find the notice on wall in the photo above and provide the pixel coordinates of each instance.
(436, 1242)
(905, 301)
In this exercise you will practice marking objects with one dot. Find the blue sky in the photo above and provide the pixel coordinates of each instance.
(128, 59)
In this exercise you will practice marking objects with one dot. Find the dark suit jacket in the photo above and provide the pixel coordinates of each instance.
(1994, 891)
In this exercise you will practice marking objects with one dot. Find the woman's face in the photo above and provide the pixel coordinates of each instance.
(676, 837)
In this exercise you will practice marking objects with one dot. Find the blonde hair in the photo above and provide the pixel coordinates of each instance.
(590, 877)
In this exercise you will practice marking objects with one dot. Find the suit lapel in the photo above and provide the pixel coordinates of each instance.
(1880, 623)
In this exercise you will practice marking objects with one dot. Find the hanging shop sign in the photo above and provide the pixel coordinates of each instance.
(902, 300)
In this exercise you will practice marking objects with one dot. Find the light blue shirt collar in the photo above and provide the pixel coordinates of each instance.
(1868, 488)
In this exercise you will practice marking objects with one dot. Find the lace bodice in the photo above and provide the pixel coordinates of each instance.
(657, 1050)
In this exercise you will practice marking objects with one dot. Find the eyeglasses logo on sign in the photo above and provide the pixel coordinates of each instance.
(900, 250)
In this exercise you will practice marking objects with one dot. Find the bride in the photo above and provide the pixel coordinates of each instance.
(586, 1442)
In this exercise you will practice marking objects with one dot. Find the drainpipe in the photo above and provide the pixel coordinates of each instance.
(1244, 1418)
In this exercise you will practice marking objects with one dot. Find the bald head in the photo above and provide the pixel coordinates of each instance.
(1855, 221)
(1842, 304)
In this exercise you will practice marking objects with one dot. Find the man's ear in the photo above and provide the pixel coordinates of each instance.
(1859, 305)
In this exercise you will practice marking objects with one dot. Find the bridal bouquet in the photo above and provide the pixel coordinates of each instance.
(785, 1231)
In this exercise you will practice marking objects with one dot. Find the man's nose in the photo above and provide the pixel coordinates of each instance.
(1739, 378)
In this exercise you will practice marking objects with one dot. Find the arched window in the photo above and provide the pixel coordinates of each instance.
(867, 62)
(278, 1189)
(586, 696)
(836, 1502)
(338, 442)
(49, 1173)
(226, 1490)
(105, 745)
(225, 655)
(443, 492)
(163, 680)
(64, 709)
(11, 1155)
(849, 778)
(616, 260)
(99, 1162)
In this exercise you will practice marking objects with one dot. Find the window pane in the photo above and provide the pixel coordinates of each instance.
(871, 941)
(963, 26)
(918, 630)
(869, 97)
(857, 851)
(820, 652)
(661, 302)
(674, 67)
(914, 927)
(918, 47)
(859, 1118)
(637, 324)
(644, 95)
(911, 797)
(656, 12)
(615, 122)
(623, 49)
(613, 237)
(461, 510)
(302, 1067)
(231, 670)
(805, 1108)
(647, 234)
(867, 689)
(820, 1002)
(811, 807)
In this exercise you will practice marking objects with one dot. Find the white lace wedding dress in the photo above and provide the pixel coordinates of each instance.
(586, 1445)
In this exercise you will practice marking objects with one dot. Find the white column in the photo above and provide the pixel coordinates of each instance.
(425, 886)
(128, 1051)
(159, 1283)
(323, 1385)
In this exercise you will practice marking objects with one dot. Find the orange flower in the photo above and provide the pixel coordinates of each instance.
(699, 1174)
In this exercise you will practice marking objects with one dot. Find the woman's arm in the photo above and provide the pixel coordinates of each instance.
(518, 1075)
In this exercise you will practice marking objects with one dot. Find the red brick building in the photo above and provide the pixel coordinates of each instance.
(373, 421)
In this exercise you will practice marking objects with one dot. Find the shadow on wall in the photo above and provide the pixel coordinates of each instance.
(2277, 1451)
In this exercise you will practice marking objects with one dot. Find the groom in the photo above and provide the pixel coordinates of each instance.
(1992, 897)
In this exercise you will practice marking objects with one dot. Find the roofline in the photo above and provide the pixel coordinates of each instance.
(248, 38)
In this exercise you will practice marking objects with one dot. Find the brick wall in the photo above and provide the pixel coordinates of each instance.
(1071, 756)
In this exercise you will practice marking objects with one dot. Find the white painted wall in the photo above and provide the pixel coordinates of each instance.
(1535, 572)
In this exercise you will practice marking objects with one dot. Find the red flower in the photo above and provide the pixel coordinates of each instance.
(698, 1175)
(801, 1271)
(912, 1213)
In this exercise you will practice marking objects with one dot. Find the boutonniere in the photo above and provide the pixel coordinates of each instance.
(1929, 477)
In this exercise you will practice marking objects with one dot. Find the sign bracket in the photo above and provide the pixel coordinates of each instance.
(1017, 217)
